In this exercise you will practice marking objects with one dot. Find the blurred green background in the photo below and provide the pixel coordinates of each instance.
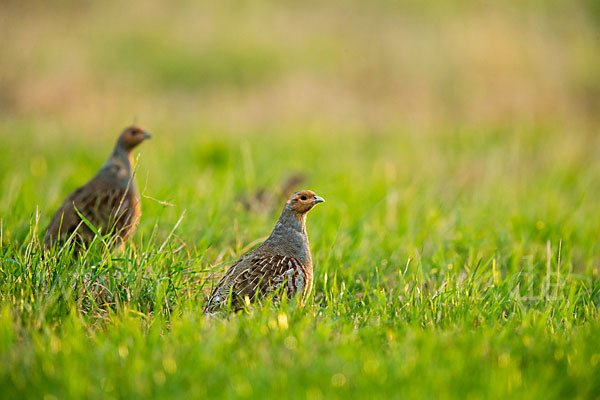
(244, 66)
(432, 109)
(456, 143)
(465, 93)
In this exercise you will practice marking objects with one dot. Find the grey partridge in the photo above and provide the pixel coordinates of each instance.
(281, 265)
(109, 201)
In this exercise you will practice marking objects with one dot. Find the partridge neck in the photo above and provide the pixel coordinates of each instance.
(122, 155)
(118, 166)
(289, 236)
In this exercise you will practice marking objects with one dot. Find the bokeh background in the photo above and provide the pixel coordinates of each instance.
(238, 66)
(467, 114)
(440, 116)
(348, 64)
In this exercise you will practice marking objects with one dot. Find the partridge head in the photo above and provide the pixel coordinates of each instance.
(131, 137)
(302, 202)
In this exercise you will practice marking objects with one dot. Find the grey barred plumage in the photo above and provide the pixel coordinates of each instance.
(282, 264)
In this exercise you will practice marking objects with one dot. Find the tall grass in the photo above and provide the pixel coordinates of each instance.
(432, 279)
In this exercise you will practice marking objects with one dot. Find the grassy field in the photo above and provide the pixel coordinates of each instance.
(457, 255)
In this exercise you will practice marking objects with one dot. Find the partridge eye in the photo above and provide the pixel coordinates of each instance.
(303, 197)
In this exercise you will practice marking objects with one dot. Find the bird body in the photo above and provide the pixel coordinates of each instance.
(109, 201)
(282, 263)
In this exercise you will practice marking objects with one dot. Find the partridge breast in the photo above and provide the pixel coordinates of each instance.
(262, 276)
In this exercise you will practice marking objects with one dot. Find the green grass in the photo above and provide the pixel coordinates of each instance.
(457, 255)
(430, 282)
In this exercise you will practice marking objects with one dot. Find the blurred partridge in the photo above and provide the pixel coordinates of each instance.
(109, 201)
(264, 199)
(281, 265)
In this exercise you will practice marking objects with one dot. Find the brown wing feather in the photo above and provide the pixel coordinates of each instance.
(103, 204)
(256, 277)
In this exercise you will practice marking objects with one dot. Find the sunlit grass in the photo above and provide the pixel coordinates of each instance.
(433, 271)
(457, 254)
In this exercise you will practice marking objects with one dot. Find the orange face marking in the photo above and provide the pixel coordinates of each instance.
(132, 136)
(303, 201)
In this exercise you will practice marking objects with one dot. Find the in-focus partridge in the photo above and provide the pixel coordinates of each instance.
(109, 201)
(282, 264)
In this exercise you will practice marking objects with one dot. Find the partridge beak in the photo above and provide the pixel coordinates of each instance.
(318, 199)
(147, 135)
